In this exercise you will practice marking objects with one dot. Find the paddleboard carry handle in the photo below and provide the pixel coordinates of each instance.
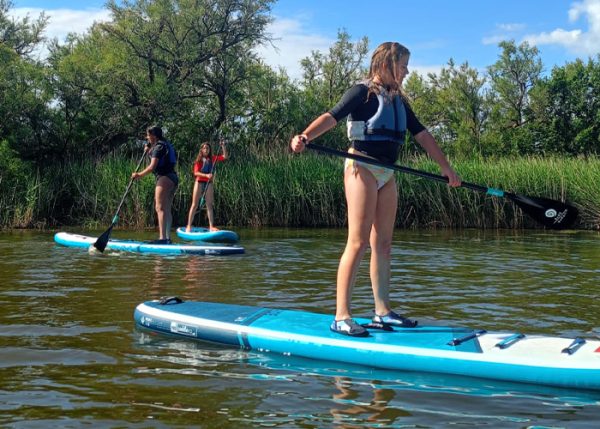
(458, 341)
(168, 300)
(509, 341)
(574, 346)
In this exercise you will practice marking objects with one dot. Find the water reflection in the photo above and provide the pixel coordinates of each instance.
(159, 277)
(356, 396)
(351, 410)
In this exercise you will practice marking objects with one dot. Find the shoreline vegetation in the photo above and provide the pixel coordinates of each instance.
(285, 190)
(70, 122)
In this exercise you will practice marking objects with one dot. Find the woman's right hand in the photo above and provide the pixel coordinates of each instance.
(298, 143)
(209, 176)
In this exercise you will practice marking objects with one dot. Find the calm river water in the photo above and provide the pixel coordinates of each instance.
(71, 357)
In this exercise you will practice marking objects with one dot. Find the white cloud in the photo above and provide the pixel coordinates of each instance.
(511, 27)
(494, 40)
(62, 22)
(581, 42)
(505, 31)
(291, 44)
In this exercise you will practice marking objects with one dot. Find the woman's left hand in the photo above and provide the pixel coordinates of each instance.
(135, 175)
(298, 143)
(453, 178)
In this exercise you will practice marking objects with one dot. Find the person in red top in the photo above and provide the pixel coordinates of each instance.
(204, 169)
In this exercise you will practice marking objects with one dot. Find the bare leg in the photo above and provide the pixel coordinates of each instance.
(381, 245)
(169, 214)
(361, 198)
(194, 207)
(210, 199)
(163, 199)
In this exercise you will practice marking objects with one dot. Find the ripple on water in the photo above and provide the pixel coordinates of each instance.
(21, 356)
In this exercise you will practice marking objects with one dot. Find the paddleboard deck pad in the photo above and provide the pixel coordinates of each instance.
(509, 356)
(75, 240)
(204, 234)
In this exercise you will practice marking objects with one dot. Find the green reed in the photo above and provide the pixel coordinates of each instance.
(20, 186)
(294, 190)
(285, 190)
(82, 193)
(307, 190)
(556, 178)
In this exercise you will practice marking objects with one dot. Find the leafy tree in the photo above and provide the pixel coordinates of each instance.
(171, 62)
(22, 36)
(424, 99)
(225, 87)
(514, 74)
(327, 76)
(462, 108)
(512, 77)
(93, 110)
(273, 109)
(24, 97)
(567, 109)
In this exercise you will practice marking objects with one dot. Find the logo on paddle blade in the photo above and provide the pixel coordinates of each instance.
(551, 213)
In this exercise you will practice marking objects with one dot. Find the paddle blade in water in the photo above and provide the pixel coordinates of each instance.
(102, 241)
(552, 214)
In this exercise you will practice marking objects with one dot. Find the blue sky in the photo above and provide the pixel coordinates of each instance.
(434, 30)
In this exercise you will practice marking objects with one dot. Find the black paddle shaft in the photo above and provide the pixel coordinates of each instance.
(552, 214)
(102, 241)
(400, 168)
(128, 188)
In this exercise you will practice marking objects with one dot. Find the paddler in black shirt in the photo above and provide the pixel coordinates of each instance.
(378, 118)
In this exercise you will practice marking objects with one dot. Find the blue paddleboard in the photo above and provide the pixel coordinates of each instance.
(204, 234)
(75, 240)
(508, 356)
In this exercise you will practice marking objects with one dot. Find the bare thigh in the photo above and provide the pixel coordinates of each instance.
(164, 192)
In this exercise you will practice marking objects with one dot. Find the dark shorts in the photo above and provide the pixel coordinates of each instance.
(171, 176)
(204, 185)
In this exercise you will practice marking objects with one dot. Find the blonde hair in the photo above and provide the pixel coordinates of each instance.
(383, 61)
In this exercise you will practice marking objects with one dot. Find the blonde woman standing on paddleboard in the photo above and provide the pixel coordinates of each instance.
(379, 116)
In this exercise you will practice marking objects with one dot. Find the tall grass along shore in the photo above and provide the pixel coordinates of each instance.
(291, 190)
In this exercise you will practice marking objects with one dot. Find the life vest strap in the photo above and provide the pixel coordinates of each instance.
(396, 135)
